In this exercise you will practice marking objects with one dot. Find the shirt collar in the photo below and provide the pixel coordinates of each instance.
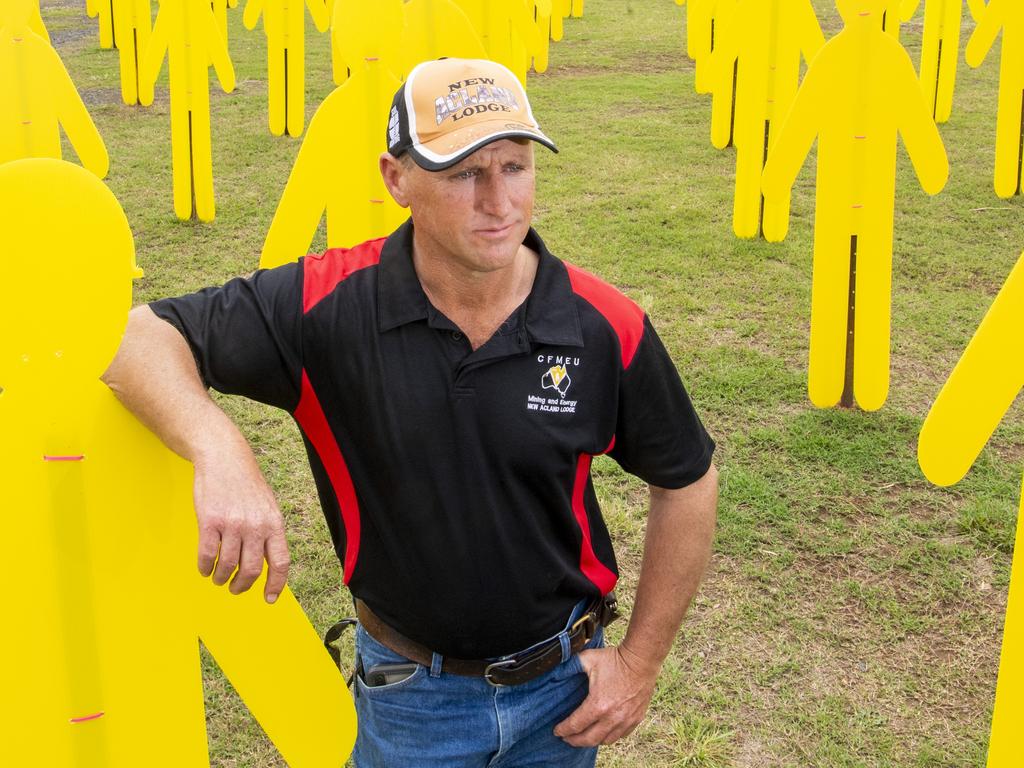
(551, 316)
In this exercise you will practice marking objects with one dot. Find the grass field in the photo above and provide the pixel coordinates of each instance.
(852, 612)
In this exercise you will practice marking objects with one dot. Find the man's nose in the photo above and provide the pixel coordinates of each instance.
(492, 194)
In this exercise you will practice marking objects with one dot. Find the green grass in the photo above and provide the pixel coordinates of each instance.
(852, 612)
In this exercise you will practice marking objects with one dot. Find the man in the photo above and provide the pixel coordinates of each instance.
(452, 384)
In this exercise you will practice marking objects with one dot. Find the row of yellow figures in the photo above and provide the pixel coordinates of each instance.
(859, 93)
(100, 665)
(512, 31)
(756, 61)
(34, 80)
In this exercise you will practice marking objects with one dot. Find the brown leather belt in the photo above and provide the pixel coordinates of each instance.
(513, 670)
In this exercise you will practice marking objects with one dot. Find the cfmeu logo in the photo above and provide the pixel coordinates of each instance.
(557, 378)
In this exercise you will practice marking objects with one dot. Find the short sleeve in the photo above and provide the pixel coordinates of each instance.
(658, 436)
(246, 334)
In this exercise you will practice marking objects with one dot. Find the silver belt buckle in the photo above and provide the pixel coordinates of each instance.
(497, 665)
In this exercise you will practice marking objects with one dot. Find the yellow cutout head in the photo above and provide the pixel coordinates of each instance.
(71, 253)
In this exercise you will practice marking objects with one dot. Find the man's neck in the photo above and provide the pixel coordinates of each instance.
(477, 302)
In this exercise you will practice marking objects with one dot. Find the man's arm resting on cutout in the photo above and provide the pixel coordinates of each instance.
(677, 545)
(154, 375)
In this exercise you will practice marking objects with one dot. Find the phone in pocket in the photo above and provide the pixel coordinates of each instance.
(386, 674)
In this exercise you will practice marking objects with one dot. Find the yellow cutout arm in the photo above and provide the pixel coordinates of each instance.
(982, 386)
(101, 9)
(35, 23)
(251, 14)
(990, 22)
(718, 68)
(543, 38)
(787, 154)
(976, 7)
(76, 122)
(318, 10)
(922, 139)
(153, 60)
(219, 56)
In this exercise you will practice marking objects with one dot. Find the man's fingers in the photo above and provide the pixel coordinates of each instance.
(250, 565)
(209, 545)
(278, 561)
(227, 560)
(579, 721)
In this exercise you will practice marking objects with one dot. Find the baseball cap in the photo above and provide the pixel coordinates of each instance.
(448, 108)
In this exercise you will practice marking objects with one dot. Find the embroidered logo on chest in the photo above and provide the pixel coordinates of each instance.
(554, 385)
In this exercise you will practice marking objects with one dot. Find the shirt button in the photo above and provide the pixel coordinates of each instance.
(456, 335)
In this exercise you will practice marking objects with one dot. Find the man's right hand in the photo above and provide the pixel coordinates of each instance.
(240, 525)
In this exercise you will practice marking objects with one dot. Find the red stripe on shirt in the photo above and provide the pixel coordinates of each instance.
(322, 272)
(311, 418)
(592, 568)
(624, 316)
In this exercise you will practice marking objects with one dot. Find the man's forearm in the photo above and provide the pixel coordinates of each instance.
(680, 528)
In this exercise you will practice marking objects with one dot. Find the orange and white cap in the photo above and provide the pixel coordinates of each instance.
(449, 108)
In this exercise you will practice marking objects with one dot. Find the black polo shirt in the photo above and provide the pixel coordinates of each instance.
(455, 483)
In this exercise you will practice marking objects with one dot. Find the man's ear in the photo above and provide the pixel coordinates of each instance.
(395, 175)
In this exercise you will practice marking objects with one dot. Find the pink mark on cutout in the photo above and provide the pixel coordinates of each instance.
(372, 58)
(375, 200)
(864, 13)
(858, 206)
(87, 718)
(17, 39)
(860, 137)
(63, 458)
(26, 122)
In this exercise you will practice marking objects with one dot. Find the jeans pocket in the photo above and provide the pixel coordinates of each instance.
(369, 653)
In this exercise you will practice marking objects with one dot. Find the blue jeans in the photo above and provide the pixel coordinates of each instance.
(435, 719)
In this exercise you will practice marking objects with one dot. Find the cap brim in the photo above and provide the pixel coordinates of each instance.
(431, 155)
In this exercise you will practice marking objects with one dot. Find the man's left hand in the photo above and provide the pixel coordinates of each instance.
(621, 686)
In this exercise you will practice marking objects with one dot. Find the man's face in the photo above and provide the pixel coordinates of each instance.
(477, 212)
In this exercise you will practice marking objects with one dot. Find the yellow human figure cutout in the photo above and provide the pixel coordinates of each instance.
(133, 21)
(350, 22)
(284, 23)
(220, 12)
(763, 42)
(336, 169)
(1008, 17)
(103, 11)
(105, 662)
(186, 31)
(577, 9)
(37, 97)
(979, 391)
(858, 93)
(940, 49)
(436, 28)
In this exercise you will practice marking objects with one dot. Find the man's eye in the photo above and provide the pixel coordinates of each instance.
(463, 175)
